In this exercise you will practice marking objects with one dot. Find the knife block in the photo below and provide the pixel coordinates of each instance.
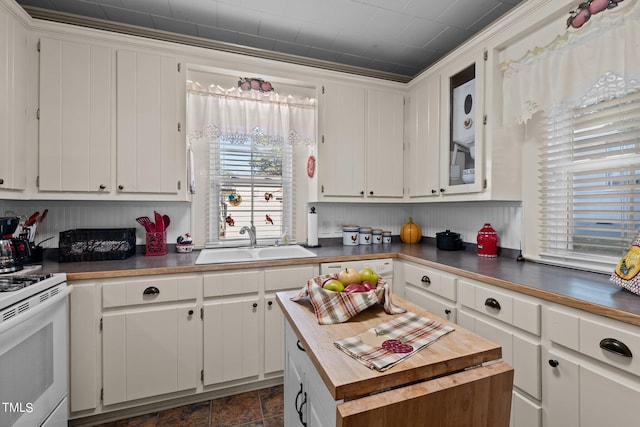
(156, 244)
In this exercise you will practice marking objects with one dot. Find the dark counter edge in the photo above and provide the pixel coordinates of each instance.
(591, 292)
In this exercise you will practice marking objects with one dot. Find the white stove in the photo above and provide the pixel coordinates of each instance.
(33, 329)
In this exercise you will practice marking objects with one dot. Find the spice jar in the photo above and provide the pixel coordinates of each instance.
(487, 242)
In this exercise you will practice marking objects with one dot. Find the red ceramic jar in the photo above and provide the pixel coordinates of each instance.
(487, 242)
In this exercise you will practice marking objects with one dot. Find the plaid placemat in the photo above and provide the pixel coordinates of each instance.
(337, 307)
(399, 338)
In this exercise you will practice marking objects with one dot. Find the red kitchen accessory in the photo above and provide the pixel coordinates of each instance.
(159, 222)
(156, 244)
(487, 242)
(32, 219)
(166, 221)
(145, 221)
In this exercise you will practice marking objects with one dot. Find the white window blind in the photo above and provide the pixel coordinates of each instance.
(251, 182)
(589, 181)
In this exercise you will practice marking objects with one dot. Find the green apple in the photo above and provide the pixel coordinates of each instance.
(368, 274)
(333, 285)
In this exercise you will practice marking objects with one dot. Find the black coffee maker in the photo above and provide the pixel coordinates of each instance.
(13, 252)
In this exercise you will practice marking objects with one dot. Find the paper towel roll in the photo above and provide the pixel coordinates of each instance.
(312, 229)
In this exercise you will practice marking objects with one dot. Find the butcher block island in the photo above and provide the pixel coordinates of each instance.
(456, 381)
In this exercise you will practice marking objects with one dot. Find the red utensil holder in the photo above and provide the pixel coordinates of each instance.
(156, 244)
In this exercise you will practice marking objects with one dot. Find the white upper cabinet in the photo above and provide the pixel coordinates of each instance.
(76, 94)
(424, 136)
(385, 143)
(150, 141)
(14, 70)
(361, 146)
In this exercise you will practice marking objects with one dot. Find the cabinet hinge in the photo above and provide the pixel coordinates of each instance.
(484, 120)
(322, 188)
(38, 46)
(179, 185)
(202, 312)
(179, 127)
(102, 395)
(38, 114)
(101, 324)
(484, 184)
(179, 67)
(322, 139)
(202, 375)
(323, 90)
(38, 181)
(486, 55)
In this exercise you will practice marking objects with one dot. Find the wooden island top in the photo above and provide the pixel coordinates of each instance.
(346, 378)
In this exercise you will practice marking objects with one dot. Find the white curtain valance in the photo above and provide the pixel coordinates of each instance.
(242, 116)
(561, 74)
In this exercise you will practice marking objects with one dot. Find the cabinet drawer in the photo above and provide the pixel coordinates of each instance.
(277, 279)
(151, 289)
(431, 280)
(232, 283)
(563, 328)
(430, 303)
(617, 347)
(503, 305)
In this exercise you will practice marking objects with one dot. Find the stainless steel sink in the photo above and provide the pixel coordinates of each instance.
(221, 255)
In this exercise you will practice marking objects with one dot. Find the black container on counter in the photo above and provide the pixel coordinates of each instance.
(449, 241)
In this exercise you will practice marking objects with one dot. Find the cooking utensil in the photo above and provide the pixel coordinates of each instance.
(448, 241)
(146, 222)
(166, 221)
(32, 219)
(159, 222)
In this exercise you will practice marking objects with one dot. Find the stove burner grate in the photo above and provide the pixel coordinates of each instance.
(14, 283)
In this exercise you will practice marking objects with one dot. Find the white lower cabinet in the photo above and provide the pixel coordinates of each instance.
(590, 379)
(307, 401)
(149, 337)
(431, 289)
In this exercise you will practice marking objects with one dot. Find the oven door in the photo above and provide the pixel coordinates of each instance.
(33, 363)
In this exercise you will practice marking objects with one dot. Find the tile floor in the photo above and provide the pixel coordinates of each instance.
(264, 407)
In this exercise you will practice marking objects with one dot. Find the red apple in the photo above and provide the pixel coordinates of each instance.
(355, 287)
(368, 286)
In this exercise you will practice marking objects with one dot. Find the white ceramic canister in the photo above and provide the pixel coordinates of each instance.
(376, 236)
(386, 236)
(350, 235)
(365, 235)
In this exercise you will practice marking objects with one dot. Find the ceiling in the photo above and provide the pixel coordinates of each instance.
(393, 39)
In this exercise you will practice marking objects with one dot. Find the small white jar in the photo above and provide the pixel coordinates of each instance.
(365, 235)
(376, 236)
(386, 237)
(350, 235)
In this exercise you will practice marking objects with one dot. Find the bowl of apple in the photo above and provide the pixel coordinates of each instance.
(351, 280)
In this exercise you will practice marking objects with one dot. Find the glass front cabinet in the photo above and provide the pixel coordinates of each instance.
(462, 125)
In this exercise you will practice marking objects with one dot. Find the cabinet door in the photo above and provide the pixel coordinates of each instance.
(231, 339)
(385, 143)
(13, 102)
(75, 116)
(341, 155)
(424, 150)
(462, 128)
(148, 132)
(149, 352)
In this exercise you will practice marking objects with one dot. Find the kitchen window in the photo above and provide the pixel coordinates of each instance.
(254, 141)
(589, 177)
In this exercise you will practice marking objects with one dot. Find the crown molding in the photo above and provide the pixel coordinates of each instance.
(150, 33)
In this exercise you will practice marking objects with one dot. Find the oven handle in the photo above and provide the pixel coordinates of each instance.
(12, 323)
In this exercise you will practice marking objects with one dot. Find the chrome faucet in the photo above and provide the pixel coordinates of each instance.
(252, 234)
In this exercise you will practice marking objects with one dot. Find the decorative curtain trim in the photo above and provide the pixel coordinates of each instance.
(213, 132)
(237, 93)
(559, 75)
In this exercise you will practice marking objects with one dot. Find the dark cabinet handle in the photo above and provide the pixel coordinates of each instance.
(371, 193)
(433, 191)
(151, 290)
(425, 279)
(190, 313)
(304, 402)
(442, 190)
(120, 187)
(102, 186)
(447, 311)
(493, 303)
(270, 303)
(1, 181)
(362, 193)
(254, 305)
(553, 363)
(300, 347)
(295, 403)
(616, 347)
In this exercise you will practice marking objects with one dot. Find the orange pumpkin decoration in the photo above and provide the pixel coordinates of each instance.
(410, 232)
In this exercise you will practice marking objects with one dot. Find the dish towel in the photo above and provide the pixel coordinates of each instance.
(337, 307)
(391, 342)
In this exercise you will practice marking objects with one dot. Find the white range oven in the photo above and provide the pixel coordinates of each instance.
(33, 350)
